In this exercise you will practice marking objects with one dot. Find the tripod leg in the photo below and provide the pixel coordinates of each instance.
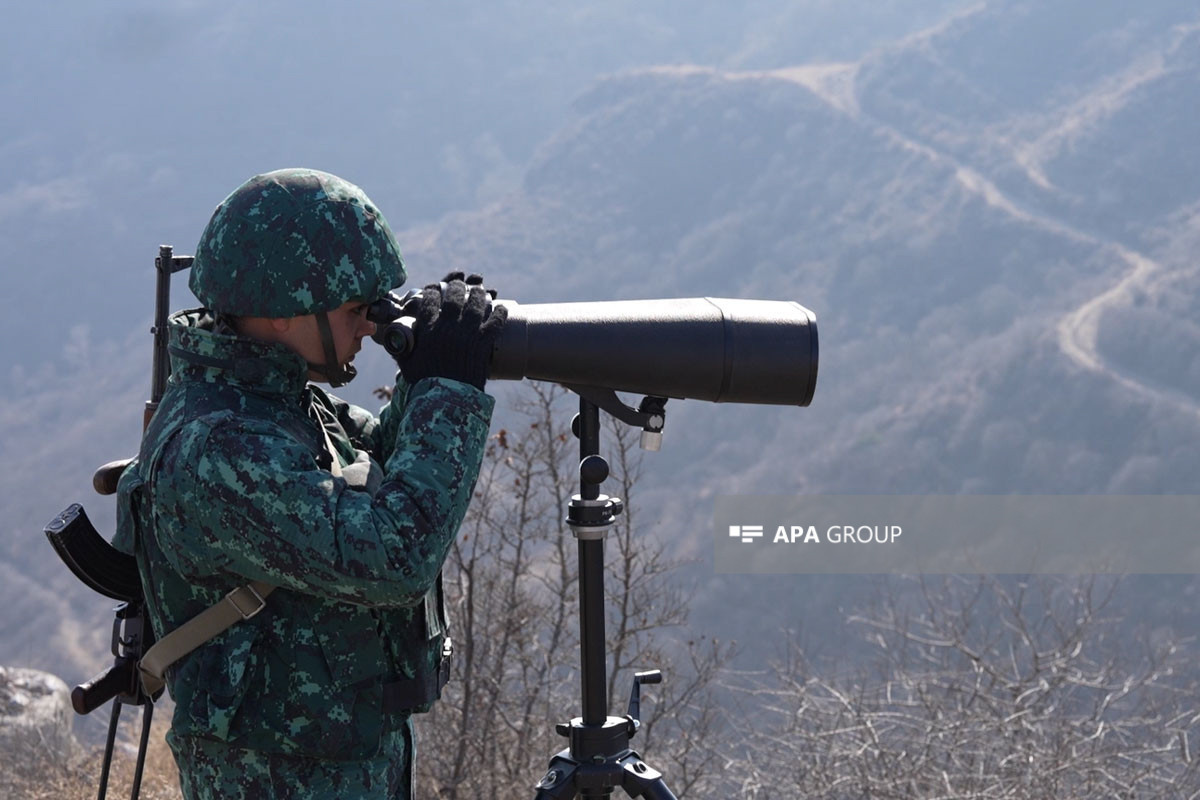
(657, 790)
(559, 781)
(113, 718)
(147, 716)
(642, 780)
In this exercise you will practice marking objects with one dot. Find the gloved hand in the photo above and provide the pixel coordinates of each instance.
(454, 332)
(473, 279)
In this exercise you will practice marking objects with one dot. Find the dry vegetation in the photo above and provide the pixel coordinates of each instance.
(33, 773)
(978, 687)
(984, 687)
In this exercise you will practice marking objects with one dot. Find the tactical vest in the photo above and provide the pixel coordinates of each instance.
(307, 675)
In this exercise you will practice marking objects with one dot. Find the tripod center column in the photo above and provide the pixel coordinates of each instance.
(593, 670)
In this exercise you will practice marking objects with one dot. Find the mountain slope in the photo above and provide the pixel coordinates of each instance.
(1005, 300)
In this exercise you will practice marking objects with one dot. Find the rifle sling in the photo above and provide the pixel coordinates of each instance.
(240, 604)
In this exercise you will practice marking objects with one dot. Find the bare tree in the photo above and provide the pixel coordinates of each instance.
(512, 587)
(983, 688)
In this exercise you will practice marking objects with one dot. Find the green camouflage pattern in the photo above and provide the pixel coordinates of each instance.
(215, 771)
(294, 242)
(232, 484)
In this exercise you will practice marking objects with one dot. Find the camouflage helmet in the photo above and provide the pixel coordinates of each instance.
(294, 242)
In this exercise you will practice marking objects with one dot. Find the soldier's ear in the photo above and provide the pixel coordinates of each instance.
(280, 324)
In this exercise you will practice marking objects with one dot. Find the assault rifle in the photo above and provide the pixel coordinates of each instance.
(108, 571)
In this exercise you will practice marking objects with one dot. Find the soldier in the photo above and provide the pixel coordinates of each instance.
(250, 473)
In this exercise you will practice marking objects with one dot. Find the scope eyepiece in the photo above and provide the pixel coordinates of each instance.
(393, 316)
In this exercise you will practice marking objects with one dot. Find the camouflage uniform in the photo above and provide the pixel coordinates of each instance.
(233, 484)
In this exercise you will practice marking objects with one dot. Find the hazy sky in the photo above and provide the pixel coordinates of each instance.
(125, 124)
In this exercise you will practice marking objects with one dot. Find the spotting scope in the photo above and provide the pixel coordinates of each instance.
(706, 348)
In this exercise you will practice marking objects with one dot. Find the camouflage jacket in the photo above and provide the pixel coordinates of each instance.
(232, 484)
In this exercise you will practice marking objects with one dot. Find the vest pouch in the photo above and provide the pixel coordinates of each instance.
(349, 639)
(226, 668)
(319, 694)
(343, 711)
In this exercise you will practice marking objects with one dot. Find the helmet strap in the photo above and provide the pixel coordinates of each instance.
(332, 369)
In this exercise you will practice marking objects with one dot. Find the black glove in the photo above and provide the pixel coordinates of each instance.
(454, 332)
(473, 279)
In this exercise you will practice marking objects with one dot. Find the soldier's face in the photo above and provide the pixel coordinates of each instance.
(349, 325)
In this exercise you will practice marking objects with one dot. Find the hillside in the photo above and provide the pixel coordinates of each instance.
(982, 330)
(126, 126)
(996, 230)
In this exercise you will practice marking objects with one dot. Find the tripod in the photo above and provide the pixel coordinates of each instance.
(599, 758)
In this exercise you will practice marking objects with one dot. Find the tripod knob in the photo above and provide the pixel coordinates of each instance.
(651, 440)
(593, 470)
(635, 696)
(591, 519)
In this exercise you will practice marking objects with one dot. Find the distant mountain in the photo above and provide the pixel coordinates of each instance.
(124, 127)
(995, 222)
(1006, 302)
(981, 337)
